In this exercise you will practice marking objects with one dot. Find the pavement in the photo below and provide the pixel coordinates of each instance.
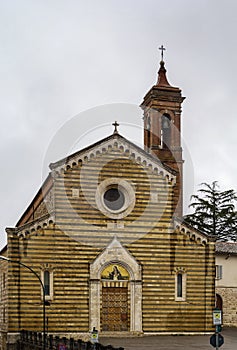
(175, 342)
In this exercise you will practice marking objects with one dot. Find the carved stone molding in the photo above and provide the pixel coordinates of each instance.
(192, 234)
(33, 227)
(116, 253)
(115, 143)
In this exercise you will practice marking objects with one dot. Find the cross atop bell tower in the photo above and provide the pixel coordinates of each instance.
(162, 48)
(162, 127)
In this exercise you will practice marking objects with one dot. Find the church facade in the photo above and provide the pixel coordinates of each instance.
(106, 237)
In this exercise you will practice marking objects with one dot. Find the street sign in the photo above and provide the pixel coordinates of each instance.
(217, 317)
(219, 338)
(94, 336)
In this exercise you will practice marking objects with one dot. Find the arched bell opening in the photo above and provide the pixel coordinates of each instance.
(165, 131)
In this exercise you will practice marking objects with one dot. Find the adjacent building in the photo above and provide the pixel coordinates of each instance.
(226, 281)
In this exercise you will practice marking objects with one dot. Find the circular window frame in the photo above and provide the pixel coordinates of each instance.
(129, 197)
(119, 202)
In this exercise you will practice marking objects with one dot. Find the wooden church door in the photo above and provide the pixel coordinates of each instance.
(114, 308)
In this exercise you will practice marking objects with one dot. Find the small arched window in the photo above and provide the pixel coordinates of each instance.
(165, 130)
(148, 123)
(180, 286)
(47, 282)
(148, 130)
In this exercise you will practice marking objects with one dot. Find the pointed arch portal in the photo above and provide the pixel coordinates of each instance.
(114, 310)
(115, 291)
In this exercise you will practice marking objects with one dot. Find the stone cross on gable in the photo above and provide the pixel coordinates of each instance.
(115, 124)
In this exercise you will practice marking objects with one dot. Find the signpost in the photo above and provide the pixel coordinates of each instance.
(217, 317)
(94, 336)
(217, 340)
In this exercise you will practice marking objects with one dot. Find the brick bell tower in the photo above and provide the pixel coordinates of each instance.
(162, 128)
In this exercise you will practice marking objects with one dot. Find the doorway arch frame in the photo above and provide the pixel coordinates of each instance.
(115, 253)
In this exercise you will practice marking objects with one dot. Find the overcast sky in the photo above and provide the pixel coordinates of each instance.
(60, 58)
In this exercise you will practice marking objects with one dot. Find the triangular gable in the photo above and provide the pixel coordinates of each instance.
(115, 141)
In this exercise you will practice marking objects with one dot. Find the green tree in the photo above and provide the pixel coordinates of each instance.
(214, 212)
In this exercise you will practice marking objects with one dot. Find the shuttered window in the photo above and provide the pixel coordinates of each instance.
(219, 272)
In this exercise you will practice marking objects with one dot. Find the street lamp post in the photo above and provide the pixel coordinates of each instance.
(43, 289)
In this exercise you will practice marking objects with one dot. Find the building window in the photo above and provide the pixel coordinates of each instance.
(47, 279)
(165, 131)
(4, 280)
(47, 282)
(115, 198)
(180, 286)
(219, 272)
(148, 125)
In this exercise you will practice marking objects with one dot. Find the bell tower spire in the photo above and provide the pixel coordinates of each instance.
(162, 128)
(162, 79)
